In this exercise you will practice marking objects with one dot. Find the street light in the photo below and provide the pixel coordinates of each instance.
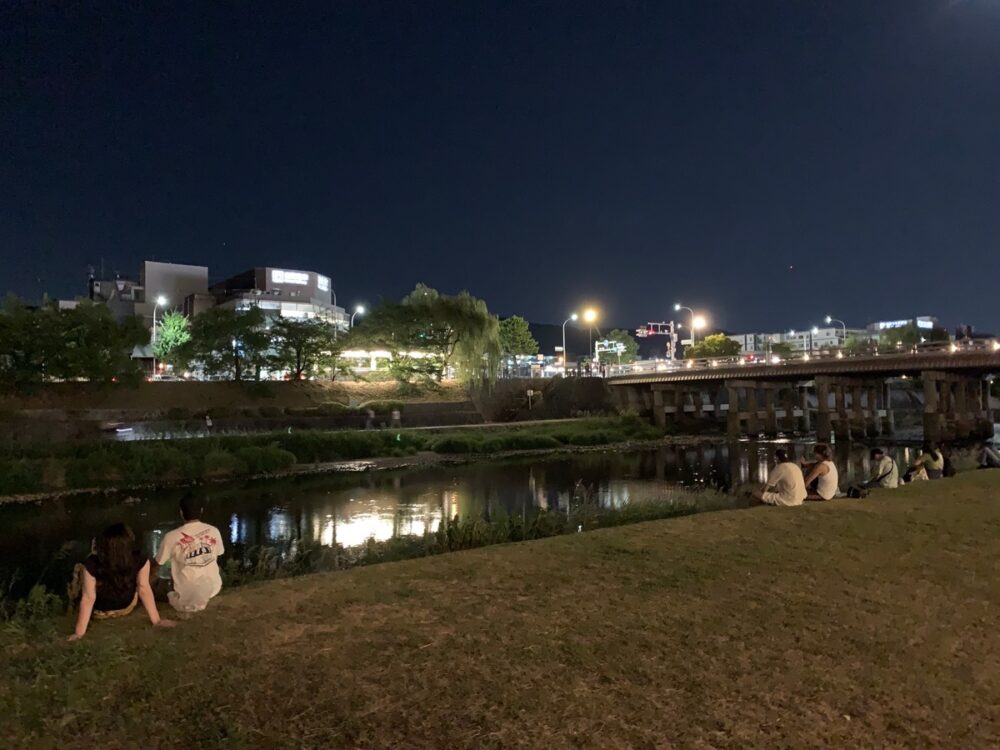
(160, 301)
(572, 317)
(843, 325)
(697, 321)
(359, 310)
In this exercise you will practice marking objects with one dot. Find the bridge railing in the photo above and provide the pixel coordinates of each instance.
(751, 361)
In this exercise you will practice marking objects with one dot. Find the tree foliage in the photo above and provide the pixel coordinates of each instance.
(516, 338)
(716, 345)
(227, 343)
(911, 335)
(301, 346)
(172, 332)
(445, 331)
(631, 348)
(782, 349)
(81, 343)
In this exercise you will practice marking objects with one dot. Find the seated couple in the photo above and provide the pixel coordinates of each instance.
(788, 484)
(116, 576)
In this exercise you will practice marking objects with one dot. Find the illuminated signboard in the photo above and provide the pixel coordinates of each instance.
(289, 277)
(921, 323)
(323, 282)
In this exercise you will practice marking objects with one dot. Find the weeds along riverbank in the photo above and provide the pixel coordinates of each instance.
(243, 565)
(93, 465)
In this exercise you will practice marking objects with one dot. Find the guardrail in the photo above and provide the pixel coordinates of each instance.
(752, 361)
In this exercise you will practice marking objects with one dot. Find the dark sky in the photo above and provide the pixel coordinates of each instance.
(767, 161)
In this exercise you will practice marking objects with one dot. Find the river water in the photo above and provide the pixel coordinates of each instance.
(40, 542)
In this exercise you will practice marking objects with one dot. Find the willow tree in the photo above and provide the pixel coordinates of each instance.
(445, 331)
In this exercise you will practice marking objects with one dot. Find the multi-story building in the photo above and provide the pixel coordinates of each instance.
(926, 322)
(170, 282)
(282, 292)
(808, 340)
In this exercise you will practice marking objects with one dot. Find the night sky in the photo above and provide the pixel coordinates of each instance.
(767, 162)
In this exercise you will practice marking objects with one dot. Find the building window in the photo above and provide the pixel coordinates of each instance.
(323, 283)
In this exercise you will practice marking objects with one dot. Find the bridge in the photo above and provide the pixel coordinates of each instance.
(847, 395)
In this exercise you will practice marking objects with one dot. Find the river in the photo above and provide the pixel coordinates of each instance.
(40, 542)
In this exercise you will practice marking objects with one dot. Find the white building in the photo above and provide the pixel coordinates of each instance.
(808, 340)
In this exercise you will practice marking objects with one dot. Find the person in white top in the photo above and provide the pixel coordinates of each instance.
(193, 551)
(821, 479)
(885, 472)
(785, 484)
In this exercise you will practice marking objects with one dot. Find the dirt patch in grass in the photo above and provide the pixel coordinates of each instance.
(869, 623)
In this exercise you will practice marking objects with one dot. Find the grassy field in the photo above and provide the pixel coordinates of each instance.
(870, 623)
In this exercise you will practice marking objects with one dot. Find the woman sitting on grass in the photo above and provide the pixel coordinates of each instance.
(822, 479)
(114, 579)
(929, 464)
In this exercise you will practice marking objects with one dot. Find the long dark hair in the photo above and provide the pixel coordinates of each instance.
(115, 549)
(930, 446)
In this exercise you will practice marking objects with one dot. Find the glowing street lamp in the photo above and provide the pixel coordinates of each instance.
(829, 319)
(359, 310)
(572, 317)
(160, 301)
(697, 321)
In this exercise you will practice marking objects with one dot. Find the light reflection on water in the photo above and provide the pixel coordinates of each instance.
(347, 510)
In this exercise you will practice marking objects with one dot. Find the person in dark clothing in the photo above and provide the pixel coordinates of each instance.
(114, 579)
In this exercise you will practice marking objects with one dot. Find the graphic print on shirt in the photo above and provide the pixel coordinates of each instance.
(197, 551)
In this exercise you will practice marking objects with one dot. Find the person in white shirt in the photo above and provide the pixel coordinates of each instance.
(885, 472)
(193, 551)
(821, 479)
(785, 484)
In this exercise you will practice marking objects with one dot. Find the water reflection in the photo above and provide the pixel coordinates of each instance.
(41, 542)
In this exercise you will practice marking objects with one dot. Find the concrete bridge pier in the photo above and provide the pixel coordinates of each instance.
(824, 422)
(842, 425)
(954, 407)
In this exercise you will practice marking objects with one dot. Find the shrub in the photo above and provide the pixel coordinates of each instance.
(178, 414)
(157, 461)
(20, 475)
(272, 412)
(455, 444)
(265, 459)
(222, 463)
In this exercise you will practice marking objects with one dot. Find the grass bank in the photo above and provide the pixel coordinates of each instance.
(62, 466)
(844, 624)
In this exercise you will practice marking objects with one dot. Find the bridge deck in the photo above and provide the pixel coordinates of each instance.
(984, 360)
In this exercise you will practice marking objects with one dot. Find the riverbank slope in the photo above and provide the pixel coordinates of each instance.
(870, 623)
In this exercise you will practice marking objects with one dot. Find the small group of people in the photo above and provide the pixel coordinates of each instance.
(116, 577)
(792, 484)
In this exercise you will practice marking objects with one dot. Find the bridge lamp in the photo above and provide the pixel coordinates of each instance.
(996, 345)
(953, 348)
(775, 360)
